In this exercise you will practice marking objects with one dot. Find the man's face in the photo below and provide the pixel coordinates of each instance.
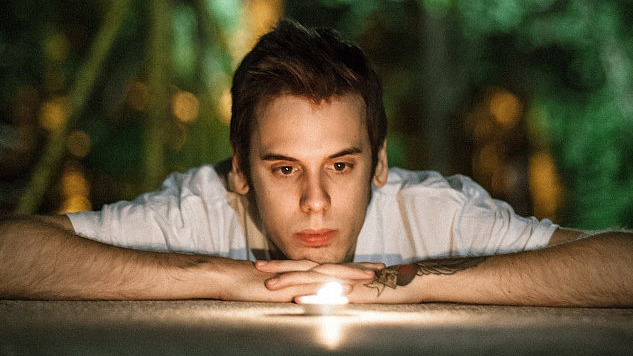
(310, 172)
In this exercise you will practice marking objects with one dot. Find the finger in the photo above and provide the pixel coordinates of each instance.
(300, 299)
(291, 279)
(370, 265)
(283, 266)
(312, 289)
(345, 271)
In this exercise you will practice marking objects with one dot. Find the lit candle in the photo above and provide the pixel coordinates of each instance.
(329, 299)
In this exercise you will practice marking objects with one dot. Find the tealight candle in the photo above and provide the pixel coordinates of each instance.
(328, 300)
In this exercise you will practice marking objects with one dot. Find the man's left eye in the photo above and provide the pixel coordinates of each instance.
(340, 166)
(285, 170)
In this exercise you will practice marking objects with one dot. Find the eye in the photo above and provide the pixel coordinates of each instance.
(341, 166)
(284, 171)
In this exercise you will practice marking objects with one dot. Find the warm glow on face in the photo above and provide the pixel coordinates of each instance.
(311, 175)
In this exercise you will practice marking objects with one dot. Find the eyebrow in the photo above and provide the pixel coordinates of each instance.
(280, 157)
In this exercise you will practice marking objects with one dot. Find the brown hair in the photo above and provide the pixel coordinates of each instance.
(313, 63)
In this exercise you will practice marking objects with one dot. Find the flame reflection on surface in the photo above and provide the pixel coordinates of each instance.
(330, 332)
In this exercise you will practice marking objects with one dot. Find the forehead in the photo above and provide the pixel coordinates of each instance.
(297, 123)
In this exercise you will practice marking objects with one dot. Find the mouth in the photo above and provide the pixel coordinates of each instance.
(316, 238)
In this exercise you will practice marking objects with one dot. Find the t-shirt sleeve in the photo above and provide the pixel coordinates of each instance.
(175, 218)
(490, 226)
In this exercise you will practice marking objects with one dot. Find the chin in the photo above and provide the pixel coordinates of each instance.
(322, 256)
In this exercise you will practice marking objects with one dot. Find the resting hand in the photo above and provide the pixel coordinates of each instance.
(312, 275)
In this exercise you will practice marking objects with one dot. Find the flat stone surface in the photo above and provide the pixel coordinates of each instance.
(202, 327)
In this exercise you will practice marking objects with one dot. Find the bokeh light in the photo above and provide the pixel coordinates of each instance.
(57, 47)
(505, 107)
(74, 188)
(185, 106)
(224, 106)
(526, 96)
(53, 114)
(545, 185)
(78, 143)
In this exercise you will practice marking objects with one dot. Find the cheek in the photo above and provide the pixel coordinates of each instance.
(268, 201)
(273, 204)
(354, 198)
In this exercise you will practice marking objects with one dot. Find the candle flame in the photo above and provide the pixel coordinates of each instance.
(331, 290)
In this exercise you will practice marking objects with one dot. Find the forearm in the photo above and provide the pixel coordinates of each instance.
(40, 260)
(597, 271)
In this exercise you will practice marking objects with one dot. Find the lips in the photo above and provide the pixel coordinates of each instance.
(316, 238)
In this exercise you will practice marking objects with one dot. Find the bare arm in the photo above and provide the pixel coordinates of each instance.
(42, 258)
(595, 271)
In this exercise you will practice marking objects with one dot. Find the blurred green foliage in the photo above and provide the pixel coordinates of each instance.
(570, 62)
(45, 42)
(574, 59)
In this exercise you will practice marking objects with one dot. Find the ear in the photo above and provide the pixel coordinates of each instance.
(237, 180)
(382, 169)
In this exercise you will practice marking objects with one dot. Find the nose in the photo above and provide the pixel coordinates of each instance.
(314, 197)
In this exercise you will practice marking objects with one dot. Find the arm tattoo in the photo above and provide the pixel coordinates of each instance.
(401, 275)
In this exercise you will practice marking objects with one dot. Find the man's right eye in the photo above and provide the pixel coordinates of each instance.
(284, 170)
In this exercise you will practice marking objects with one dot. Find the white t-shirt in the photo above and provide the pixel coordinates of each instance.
(416, 215)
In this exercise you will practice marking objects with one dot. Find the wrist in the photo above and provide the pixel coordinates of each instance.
(183, 276)
(210, 277)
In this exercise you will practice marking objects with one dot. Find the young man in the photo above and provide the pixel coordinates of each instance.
(307, 199)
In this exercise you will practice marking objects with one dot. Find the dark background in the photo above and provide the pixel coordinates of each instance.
(100, 100)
